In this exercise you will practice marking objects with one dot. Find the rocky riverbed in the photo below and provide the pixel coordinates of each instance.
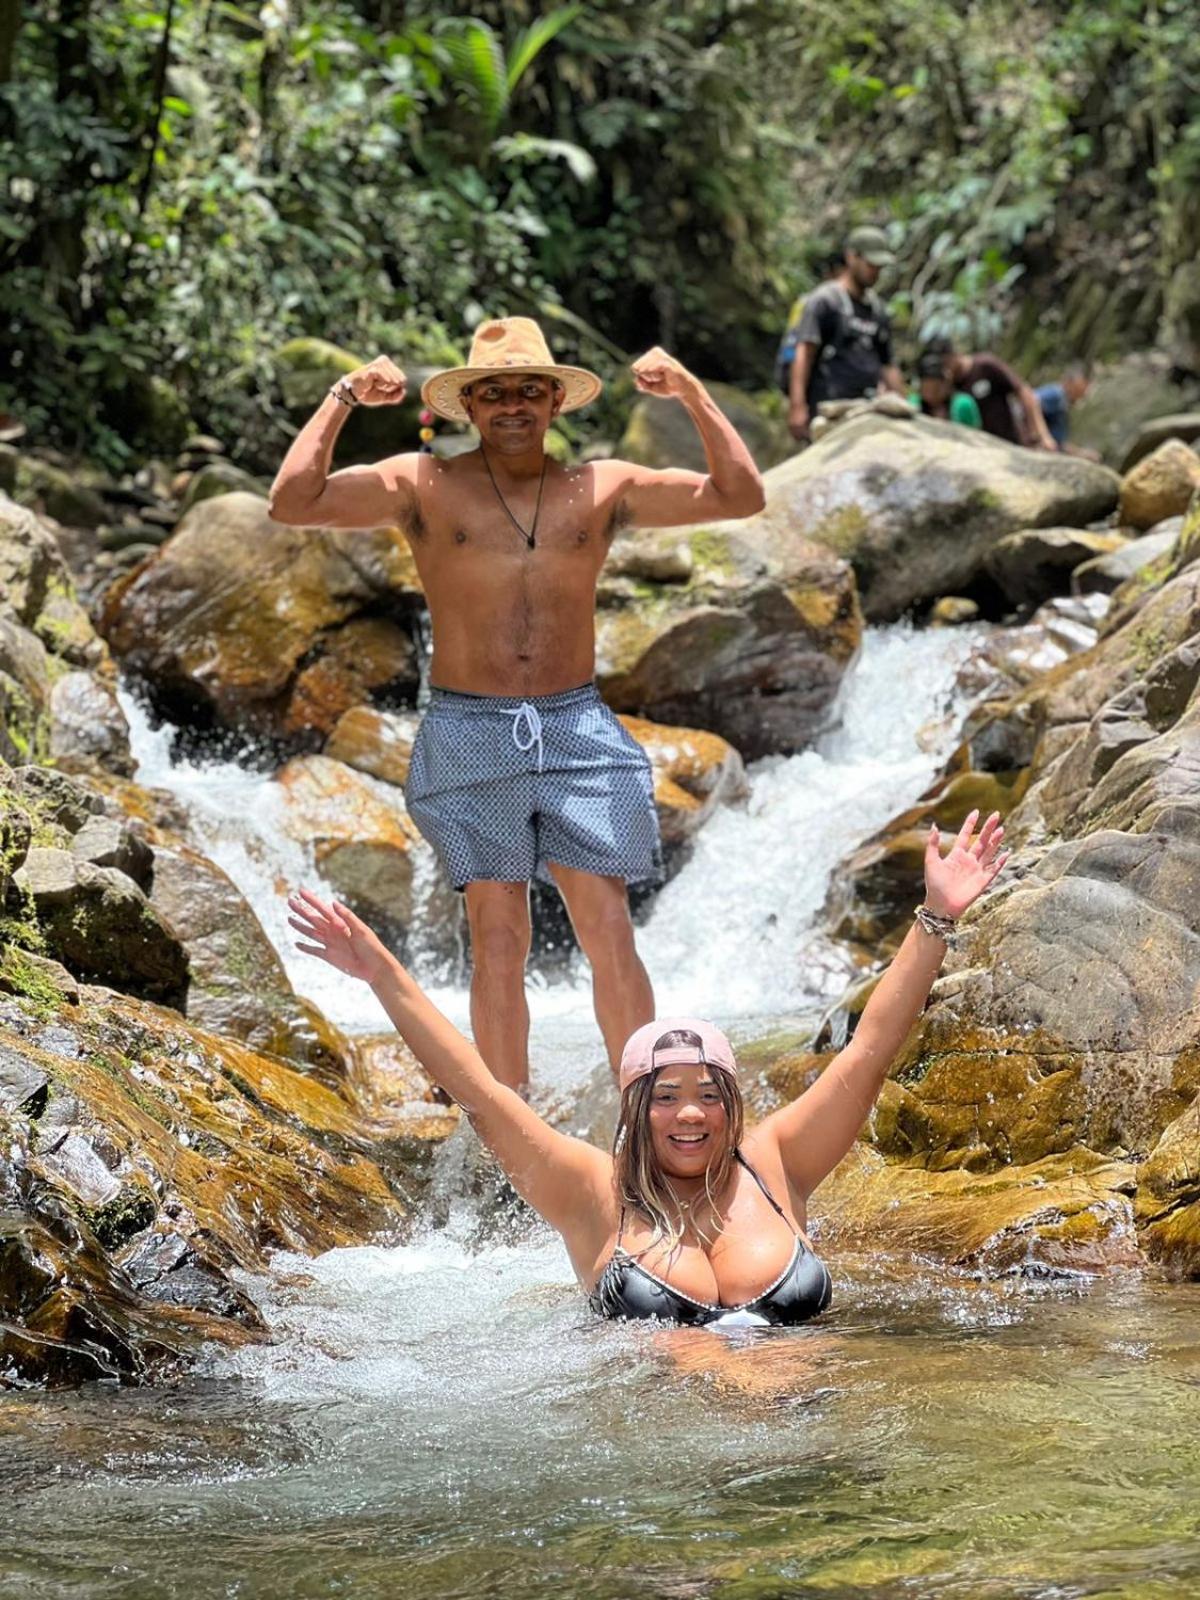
(173, 1110)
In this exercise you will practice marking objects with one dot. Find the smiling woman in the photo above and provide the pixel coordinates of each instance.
(688, 1219)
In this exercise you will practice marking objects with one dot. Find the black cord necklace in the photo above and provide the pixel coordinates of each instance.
(528, 534)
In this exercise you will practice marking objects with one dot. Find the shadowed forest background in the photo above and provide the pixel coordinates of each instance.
(189, 186)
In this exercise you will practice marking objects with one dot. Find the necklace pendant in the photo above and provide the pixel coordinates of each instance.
(531, 541)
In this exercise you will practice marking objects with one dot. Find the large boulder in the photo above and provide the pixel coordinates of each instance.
(719, 628)
(915, 505)
(1161, 485)
(241, 622)
(660, 433)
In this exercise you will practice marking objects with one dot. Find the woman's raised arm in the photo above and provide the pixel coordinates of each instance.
(566, 1180)
(817, 1129)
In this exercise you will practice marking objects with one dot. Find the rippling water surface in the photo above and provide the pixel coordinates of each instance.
(443, 1419)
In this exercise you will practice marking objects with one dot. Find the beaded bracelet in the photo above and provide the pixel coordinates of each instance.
(940, 927)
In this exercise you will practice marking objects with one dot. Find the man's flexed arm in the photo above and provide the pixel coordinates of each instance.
(306, 494)
(664, 499)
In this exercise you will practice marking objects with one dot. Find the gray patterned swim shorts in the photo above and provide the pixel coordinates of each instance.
(502, 787)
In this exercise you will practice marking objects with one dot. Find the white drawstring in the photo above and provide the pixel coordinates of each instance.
(532, 727)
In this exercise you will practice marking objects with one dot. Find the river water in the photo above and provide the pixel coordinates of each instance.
(444, 1419)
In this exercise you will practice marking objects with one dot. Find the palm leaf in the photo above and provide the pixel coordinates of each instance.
(531, 41)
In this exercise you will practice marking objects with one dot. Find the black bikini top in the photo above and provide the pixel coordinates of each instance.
(629, 1291)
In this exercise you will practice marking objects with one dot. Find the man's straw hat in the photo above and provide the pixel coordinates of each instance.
(510, 344)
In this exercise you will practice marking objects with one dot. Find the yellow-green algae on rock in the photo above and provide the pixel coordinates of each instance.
(144, 1162)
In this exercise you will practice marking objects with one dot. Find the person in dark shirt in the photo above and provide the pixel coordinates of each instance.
(997, 390)
(1056, 400)
(935, 396)
(843, 342)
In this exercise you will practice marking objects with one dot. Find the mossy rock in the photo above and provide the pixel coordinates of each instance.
(58, 492)
(150, 414)
(660, 433)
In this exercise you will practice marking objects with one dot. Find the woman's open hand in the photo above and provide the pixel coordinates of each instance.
(336, 935)
(955, 881)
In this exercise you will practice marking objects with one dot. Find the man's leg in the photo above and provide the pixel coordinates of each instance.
(498, 914)
(621, 992)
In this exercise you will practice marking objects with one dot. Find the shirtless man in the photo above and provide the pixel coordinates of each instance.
(519, 769)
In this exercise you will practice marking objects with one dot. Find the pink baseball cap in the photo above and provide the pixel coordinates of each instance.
(643, 1054)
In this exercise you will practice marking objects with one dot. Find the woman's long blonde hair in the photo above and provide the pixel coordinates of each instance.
(641, 1183)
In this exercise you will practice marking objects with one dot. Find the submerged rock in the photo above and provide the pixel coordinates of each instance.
(915, 505)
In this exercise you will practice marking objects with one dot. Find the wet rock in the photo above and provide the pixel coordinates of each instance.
(375, 742)
(752, 646)
(360, 835)
(915, 505)
(1168, 1197)
(219, 477)
(1160, 486)
(1036, 563)
(238, 986)
(694, 773)
(241, 622)
(873, 892)
(143, 1163)
(88, 726)
(1106, 573)
(662, 434)
(1067, 1214)
(1056, 706)
(952, 610)
(100, 925)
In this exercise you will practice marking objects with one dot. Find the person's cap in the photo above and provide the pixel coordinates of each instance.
(645, 1052)
(872, 245)
(931, 364)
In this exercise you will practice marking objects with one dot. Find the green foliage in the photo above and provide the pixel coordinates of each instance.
(187, 187)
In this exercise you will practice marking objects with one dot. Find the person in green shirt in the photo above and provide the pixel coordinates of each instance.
(935, 395)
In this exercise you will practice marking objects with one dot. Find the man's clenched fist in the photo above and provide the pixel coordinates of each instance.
(379, 383)
(658, 373)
